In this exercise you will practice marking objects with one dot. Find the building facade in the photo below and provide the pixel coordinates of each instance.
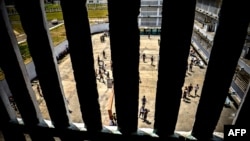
(96, 1)
(205, 25)
(150, 13)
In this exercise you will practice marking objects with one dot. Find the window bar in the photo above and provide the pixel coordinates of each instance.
(7, 114)
(41, 49)
(81, 54)
(16, 76)
(124, 43)
(175, 40)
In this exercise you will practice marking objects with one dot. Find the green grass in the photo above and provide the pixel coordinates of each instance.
(89, 6)
(97, 6)
(25, 52)
(97, 13)
(14, 17)
(58, 35)
(17, 26)
(25, 55)
(54, 15)
(58, 15)
(48, 6)
(1, 74)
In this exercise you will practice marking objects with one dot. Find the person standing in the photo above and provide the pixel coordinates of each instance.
(152, 60)
(190, 88)
(145, 114)
(191, 67)
(185, 92)
(141, 113)
(144, 100)
(114, 119)
(98, 59)
(108, 76)
(196, 88)
(39, 90)
(104, 54)
(144, 57)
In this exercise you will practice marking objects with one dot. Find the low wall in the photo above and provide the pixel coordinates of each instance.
(4, 88)
(97, 28)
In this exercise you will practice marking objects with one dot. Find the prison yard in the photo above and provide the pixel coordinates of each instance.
(149, 46)
(148, 76)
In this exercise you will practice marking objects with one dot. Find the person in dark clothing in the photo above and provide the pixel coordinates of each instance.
(98, 59)
(185, 92)
(144, 57)
(108, 76)
(145, 114)
(152, 60)
(114, 118)
(104, 54)
(144, 100)
(190, 88)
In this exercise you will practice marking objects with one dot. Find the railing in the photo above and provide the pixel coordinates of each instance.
(125, 72)
(149, 13)
(151, 3)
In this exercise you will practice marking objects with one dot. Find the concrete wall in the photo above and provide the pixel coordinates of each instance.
(4, 88)
(209, 6)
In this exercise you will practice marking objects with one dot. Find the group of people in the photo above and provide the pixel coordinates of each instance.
(195, 61)
(188, 89)
(102, 71)
(143, 113)
(113, 120)
(102, 37)
(151, 59)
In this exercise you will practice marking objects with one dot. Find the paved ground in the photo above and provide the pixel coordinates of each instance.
(148, 75)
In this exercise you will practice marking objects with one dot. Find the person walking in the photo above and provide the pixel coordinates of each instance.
(144, 100)
(196, 88)
(185, 92)
(190, 88)
(101, 78)
(104, 54)
(98, 59)
(152, 60)
(141, 113)
(144, 57)
(39, 90)
(108, 76)
(145, 115)
(114, 118)
(191, 67)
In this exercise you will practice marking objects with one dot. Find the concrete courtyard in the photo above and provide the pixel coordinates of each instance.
(148, 74)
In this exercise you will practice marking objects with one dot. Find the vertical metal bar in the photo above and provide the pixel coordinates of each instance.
(124, 41)
(7, 115)
(39, 42)
(17, 78)
(175, 45)
(81, 54)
